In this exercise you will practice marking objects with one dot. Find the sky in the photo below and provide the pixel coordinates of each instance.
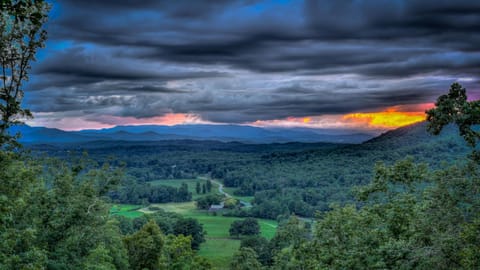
(343, 64)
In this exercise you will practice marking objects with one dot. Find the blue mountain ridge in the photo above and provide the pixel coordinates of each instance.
(224, 133)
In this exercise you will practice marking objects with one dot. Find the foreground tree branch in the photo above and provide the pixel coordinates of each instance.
(22, 33)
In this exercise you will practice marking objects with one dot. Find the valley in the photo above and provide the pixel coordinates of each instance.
(219, 247)
(268, 182)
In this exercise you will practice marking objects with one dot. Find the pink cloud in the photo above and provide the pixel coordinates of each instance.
(108, 121)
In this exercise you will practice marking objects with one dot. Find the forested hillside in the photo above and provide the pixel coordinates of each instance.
(409, 215)
(284, 178)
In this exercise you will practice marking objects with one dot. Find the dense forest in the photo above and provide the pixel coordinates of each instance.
(283, 178)
(408, 216)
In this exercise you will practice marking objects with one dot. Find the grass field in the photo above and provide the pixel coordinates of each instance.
(126, 210)
(191, 183)
(219, 251)
(218, 247)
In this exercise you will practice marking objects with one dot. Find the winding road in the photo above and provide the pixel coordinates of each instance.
(221, 191)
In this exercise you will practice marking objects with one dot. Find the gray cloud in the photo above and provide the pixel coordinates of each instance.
(240, 61)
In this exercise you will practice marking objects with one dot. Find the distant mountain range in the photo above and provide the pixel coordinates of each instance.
(224, 133)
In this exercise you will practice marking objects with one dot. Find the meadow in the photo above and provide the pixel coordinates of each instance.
(126, 210)
(218, 247)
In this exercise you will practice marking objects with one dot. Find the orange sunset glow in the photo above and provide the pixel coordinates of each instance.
(386, 119)
(108, 121)
(389, 118)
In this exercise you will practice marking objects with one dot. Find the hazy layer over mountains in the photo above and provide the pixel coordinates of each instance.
(224, 133)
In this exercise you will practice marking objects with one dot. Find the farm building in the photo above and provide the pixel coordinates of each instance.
(216, 207)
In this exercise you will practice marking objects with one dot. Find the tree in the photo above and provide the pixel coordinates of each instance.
(245, 259)
(99, 259)
(178, 254)
(21, 24)
(204, 189)
(261, 246)
(206, 201)
(183, 194)
(455, 108)
(18, 222)
(52, 216)
(112, 239)
(198, 189)
(290, 233)
(209, 185)
(72, 217)
(248, 226)
(231, 203)
(190, 227)
(235, 228)
(145, 247)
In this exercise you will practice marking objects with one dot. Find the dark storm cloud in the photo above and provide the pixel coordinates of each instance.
(179, 8)
(317, 102)
(237, 61)
(383, 25)
(97, 66)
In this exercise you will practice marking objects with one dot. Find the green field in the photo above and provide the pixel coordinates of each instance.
(219, 251)
(192, 183)
(126, 210)
(218, 247)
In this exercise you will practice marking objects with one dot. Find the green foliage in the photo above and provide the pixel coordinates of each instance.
(21, 25)
(169, 223)
(74, 218)
(18, 219)
(261, 246)
(99, 259)
(454, 108)
(144, 247)
(248, 226)
(178, 254)
(149, 248)
(470, 251)
(53, 215)
(293, 232)
(245, 259)
(22, 33)
(198, 188)
(284, 179)
(132, 192)
(231, 203)
(410, 219)
(112, 239)
(190, 227)
(209, 185)
(206, 201)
